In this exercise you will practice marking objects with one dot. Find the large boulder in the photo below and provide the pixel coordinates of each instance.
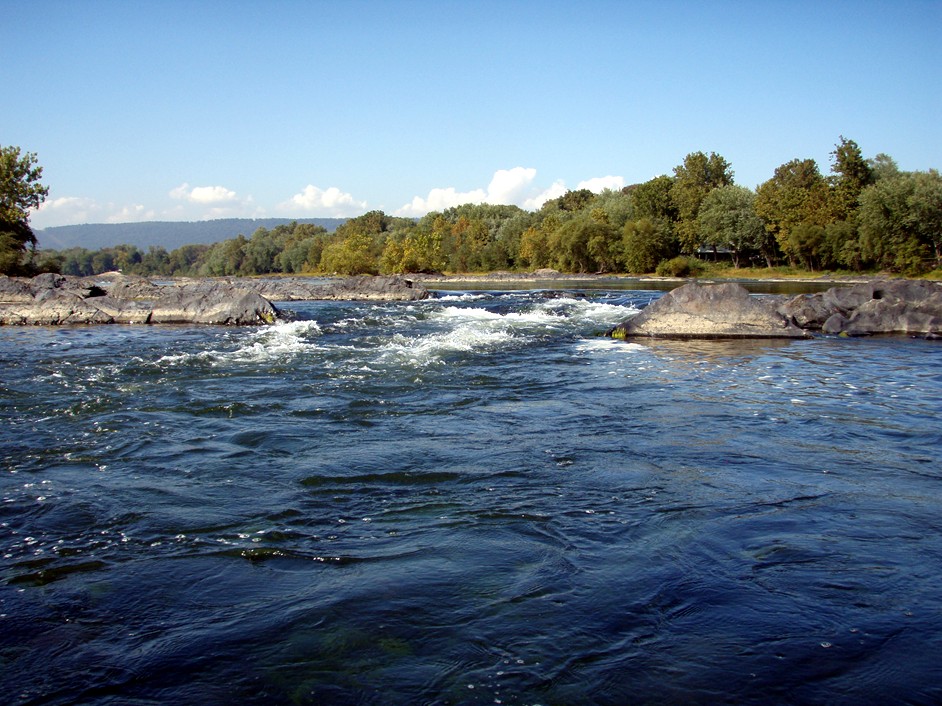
(368, 288)
(15, 289)
(910, 307)
(709, 311)
(222, 304)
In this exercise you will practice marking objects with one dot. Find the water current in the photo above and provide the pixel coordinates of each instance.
(469, 500)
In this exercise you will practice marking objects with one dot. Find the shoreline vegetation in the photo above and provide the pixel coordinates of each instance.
(866, 217)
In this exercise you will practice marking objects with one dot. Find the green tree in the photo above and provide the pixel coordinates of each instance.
(796, 194)
(20, 191)
(901, 222)
(571, 244)
(883, 166)
(302, 248)
(351, 256)
(571, 201)
(224, 259)
(156, 261)
(652, 199)
(728, 220)
(851, 174)
(185, 260)
(534, 248)
(616, 205)
(260, 253)
(693, 180)
(647, 242)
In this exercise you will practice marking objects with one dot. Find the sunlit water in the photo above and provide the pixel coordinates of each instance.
(470, 500)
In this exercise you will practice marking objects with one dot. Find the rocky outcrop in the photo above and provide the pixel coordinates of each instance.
(56, 300)
(709, 311)
(287, 289)
(910, 307)
(52, 299)
(369, 288)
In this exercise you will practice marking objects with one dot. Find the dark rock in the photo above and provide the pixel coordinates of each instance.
(371, 288)
(57, 300)
(286, 289)
(709, 311)
(46, 281)
(807, 311)
(14, 289)
(134, 288)
(882, 307)
(219, 305)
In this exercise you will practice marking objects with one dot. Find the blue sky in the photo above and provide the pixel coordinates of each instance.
(167, 110)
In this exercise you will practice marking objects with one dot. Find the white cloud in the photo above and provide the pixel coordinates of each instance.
(203, 194)
(509, 186)
(330, 202)
(599, 184)
(69, 210)
(441, 199)
(131, 214)
(514, 187)
(556, 189)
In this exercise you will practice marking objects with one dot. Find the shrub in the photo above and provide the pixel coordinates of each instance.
(682, 266)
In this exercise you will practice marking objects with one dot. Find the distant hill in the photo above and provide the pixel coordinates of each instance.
(168, 234)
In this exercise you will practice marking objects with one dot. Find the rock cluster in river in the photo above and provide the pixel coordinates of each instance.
(52, 299)
(709, 311)
(884, 307)
(729, 311)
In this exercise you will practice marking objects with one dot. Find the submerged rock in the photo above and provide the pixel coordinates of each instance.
(709, 311)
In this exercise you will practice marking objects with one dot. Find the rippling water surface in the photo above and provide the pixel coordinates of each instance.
(470, 500)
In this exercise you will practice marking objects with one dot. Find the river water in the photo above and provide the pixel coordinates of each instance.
(469, 500)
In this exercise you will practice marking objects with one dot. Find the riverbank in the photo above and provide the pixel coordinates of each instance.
(622, 279)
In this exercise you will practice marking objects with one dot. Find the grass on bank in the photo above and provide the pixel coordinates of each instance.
(693, 267)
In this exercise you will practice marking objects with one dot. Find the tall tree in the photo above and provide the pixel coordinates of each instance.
(652, 199)
(728, 220)
(851, 174)
(646, 242)
(693, 180)
(20, 191)
(796, 194)
(901, 222)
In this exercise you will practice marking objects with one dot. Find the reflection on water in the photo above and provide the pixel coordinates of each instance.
(716, 348)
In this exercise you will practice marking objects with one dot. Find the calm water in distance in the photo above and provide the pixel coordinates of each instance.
(469, 500)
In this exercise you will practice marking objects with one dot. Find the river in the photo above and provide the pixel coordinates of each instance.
(473, 499)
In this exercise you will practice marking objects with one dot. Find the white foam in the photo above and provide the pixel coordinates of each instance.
(281, 340)
(423, 350)
(608, 345)
(463, 297)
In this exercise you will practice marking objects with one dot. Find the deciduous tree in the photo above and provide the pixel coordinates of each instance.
(20, 191)
(796, 194)
(693, 180)
(728, 220)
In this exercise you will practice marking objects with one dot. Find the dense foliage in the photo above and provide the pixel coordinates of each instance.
(20, 191)
(866, 214)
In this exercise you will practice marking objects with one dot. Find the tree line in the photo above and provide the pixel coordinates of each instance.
(866, 214)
